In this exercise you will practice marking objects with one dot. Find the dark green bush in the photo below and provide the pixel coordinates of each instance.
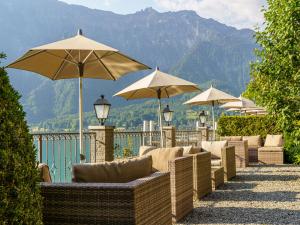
(20, 200)
(247, 125)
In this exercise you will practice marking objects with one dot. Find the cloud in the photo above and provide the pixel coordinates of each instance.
(237, 13)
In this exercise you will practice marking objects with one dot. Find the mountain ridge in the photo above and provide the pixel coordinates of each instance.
(181, 43)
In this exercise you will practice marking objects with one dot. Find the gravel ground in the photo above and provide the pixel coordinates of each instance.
(258, 195)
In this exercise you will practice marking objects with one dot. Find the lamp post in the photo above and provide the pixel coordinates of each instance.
(102, 107)
(168, 115)
(202, 117)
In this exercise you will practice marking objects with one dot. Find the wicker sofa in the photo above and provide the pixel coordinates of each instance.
(221, 155)
(142, 201)
(202, 184)
(241, 149)
(181, 177)
(272, 152)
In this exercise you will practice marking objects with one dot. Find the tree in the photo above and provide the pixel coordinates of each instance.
(275, 76)
(20, 200)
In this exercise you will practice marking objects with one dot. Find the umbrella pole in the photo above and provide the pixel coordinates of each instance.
(82, 153)
(213, 118)
(160, 119)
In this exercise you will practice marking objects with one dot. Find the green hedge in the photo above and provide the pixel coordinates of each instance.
(247, 125)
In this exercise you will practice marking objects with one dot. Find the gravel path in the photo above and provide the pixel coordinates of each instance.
(258, 195)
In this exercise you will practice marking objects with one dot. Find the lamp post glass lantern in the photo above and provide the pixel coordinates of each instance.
(168, 115)
(202, 118)
(102, 107)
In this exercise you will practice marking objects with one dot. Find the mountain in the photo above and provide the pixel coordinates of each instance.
(201, 50)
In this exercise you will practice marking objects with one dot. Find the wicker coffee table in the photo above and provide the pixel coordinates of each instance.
(217, 176)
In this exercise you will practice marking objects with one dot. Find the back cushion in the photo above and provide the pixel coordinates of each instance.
(44, 173)
(144, 149)
(113, 172)
(190, 150)
(231, 138)
(215, 147)
(274, 141)
(161, 157)
(253, 140)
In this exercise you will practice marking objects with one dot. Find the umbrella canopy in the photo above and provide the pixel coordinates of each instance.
(77, 57)
(157, 85)
(242, 103)
(211, 97)
(157, 81)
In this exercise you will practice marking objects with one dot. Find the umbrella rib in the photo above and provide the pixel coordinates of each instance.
(22, 59)
(133, 60)
(133, 93)
(99, 60)
(91, 52)
(69, 53)
(61, 66)
(69, 61)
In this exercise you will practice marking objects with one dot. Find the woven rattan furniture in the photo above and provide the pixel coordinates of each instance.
(241, 153)
(272, 152)
(144, 201)
(222, 156)
(181, 174)
(201, 174)
(254, 142)
(217, 176)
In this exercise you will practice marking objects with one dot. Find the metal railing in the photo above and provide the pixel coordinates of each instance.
(188, 137)
(127, 143)
(60, 150)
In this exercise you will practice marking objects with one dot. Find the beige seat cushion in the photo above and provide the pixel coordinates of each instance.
(190, 150)
(253, 140)
(162, 156)
(113, 172)
(44, 173)
(231, 138)
(271, 149)
(214, 147)
(274, 140)
(145, 148)
(216, 162)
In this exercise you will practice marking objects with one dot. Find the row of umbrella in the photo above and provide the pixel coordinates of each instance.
(81, 57)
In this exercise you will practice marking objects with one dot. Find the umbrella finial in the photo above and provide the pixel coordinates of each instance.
(157, 68)
(79, 32)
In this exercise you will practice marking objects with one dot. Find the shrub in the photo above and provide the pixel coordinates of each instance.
(20, 200)
(247, 125)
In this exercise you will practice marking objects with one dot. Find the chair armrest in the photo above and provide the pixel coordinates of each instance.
(228, 162)
(202, 184)
(146, 198)
(181, 173)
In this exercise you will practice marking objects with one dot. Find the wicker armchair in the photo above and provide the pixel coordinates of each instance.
(181, 175)
(201, 174)
(144, 201)
(272, 152)
(222, 155)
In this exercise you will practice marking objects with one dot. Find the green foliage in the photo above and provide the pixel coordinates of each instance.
(20, 200)
(247, 125)
(275, 81)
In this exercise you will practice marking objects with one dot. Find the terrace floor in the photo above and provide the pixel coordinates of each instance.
(258, 195)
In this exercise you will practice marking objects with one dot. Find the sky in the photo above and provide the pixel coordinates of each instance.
(236, 13)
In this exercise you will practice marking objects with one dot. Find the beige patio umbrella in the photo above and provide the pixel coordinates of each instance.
(157, 85)
(241, 105)
(211, 96)
(77, 57)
